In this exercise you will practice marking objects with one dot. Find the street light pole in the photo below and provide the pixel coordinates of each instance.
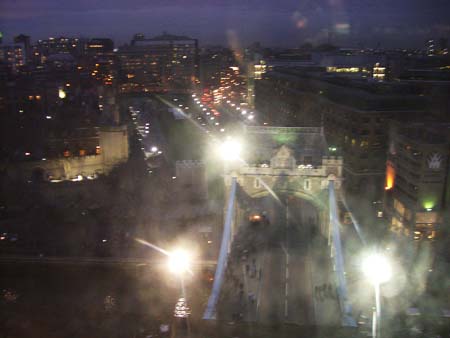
(378, 270)
(377, 323)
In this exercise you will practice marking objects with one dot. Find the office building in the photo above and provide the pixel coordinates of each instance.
(160, 64)
(14, 56)
(416, 179)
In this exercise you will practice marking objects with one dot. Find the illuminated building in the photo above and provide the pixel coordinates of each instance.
(159, 64)
(415, 197)
(24, 40)
(379, 72)
(99, 46)
(213, 62)
(431, 47)
(14, 56)
(83, 154)
(61, 45)
(354, 113)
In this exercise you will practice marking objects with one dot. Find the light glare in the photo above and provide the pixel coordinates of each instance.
(230, 150)
(179, 261)
(377, 268)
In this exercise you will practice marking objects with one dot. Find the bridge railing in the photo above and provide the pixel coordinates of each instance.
(345, 306)
(210, 311)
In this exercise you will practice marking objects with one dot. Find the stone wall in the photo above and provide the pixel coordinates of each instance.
(113, 151)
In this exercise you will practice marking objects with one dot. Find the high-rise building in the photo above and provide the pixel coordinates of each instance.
(416, 179)
(99, 46)
(159, 64)
(25, 41)
(213, 62)
(13, 55)
(61, 45)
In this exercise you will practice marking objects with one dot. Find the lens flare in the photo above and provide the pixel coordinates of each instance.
(179, 261)
(230, 150)
(377, 268)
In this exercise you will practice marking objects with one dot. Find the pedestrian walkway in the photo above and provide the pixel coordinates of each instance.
(326, 304)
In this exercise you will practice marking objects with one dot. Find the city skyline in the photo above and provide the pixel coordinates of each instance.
(378, 23)
(201, 168)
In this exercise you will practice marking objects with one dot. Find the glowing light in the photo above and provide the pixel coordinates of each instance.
(230, 150)
(154, 149)
(377, 268)
(61, 94)
(179, 261)
(390, 177)
(428, 205)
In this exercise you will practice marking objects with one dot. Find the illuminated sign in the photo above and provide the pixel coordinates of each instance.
(434, 161)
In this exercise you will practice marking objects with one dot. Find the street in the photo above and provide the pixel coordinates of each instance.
(282, 268)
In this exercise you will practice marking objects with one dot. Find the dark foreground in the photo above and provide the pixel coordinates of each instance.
(44, 300)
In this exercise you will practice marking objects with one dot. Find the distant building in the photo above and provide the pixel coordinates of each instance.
(14, 56)
(160, 64)
(61, 45)
(24, 40)
(416, 180)
(99, 46)
(214, 61)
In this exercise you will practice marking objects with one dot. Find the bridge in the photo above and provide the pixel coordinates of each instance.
(71, 260)
(290, 267)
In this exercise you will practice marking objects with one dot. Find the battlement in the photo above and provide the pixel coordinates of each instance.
(189, 164)
(282, 130)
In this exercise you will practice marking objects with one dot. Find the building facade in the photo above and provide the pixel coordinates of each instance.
(160, 64)
(415, 182)
(84, 158)
(354, 113)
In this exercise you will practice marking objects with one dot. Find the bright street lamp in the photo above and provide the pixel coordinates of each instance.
(61, 94)
(230, 149)
(378, 270)
(179, 262)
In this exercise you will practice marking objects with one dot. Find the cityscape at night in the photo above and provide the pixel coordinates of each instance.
(215, 169)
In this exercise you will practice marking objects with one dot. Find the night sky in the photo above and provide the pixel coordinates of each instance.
(392, 23)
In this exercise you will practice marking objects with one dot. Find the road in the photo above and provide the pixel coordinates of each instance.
(273, 264)
(286, 289)
(96, 261)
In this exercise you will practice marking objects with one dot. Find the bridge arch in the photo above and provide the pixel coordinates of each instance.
(318, 201)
